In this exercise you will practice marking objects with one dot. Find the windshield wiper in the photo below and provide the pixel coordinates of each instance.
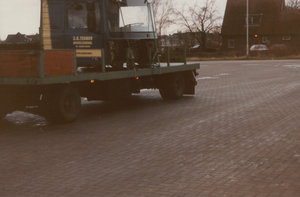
(134, 24)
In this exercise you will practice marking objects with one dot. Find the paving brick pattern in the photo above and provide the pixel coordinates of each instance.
(239, 136)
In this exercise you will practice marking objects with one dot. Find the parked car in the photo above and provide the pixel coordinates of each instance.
(259, 47)
(277, 47)
(197, 47)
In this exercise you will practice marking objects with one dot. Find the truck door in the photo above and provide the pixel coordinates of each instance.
(83, 31)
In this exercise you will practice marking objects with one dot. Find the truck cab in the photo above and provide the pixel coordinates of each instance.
(124, 30)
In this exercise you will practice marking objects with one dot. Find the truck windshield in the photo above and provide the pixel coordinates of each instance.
(130, 16)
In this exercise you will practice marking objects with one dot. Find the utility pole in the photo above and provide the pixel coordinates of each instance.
(247, 33)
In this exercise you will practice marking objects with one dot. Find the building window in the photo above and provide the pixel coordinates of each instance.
(286, 38)
(264, 40)
(254, 19)
(231, 44)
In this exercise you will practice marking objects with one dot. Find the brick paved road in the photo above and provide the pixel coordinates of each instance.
(239, 136)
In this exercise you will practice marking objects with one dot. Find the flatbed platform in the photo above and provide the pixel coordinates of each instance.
(57, 75)
(102, 76)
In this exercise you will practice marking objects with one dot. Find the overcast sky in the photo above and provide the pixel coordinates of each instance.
(23, 16)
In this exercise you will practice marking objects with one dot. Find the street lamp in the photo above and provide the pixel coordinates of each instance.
(247, 33)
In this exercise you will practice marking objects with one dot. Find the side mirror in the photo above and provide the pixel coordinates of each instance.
(91, 21)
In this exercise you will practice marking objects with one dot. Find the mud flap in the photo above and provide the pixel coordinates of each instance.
(190, 82)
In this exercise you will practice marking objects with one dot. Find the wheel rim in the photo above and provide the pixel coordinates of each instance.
(69, 104)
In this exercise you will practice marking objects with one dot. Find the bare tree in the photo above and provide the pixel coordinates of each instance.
(163, 11)
(197, 18)
(293, 4)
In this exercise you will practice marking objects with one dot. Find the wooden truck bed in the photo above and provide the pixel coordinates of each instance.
(27, 63)
(40, 67)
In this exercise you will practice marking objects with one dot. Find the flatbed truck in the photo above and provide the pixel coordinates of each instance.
(98, 49)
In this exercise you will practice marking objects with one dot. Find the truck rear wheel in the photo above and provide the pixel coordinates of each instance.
(172, 87)
(62, 106)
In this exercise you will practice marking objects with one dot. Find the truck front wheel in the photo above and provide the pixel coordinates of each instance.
(172, 87)
(62, 105)
(68, 104)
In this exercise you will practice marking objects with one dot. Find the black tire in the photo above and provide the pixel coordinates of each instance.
(67, 104)
(46, 106)
(172, 87)
(62, 106)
